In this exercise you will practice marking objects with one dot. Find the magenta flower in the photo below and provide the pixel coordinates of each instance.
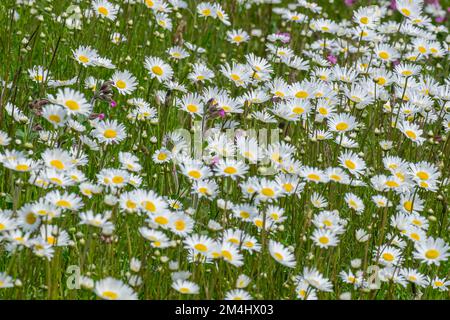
(222, 113)
(332, 59)
(349, 3)
(433, 2)
(113, 104)
(393, 5)
(215, 160)
(101, 116)
(286, 36)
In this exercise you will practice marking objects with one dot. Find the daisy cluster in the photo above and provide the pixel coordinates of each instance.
(240, 149)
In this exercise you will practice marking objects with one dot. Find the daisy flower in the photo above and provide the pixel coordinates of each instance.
(105, 9)
(231, 168)
(86, 56)
(412, 131)
(281, 254)
(73, 101)
(324, 238)
(124, 81)
(238, 294)
(432, 251)
(186, 287)
(158, 69)
(55, 114)
(237, 36)
(109, 132)
(113, 289)
(341, 123)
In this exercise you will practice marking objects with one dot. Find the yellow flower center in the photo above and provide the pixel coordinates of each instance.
(323, 111)
(342, 126)
(249, 244)
(268, 192)
(54, 118)
(350, 164)
(130, 204)
(423, 184)
(302, 95)
(423, 175)
(227, 255)
(162, 156)
(244, 214)
(388, 257)
(235, 77)
(324, 240)
(157, 70)
(56, 181)
(201, 247)
(30, 218)
(392, 184)
(63, 203)
(408, 205)
(230, 170)
(384, 55)
(22, 167)
(298, 110)
(432, 254)
(335, 177)
(278, 256)
(110, 133)
(161, 220)
(313, 176)
(415, 236)
(121, 84)
(206, 12)
(104, 11)
(259, 223)
(411, 134)
(57, 164)
(83, 58)
(194, 174)
(192, 108)
(406, 11)
(412, 278)
(203, 190)
(407, 73)
(110, 295)
(118, 179)
(51, 240)
(72, 105)
(381, 81)
(149, 206)
(238, 38)
(180, 225)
